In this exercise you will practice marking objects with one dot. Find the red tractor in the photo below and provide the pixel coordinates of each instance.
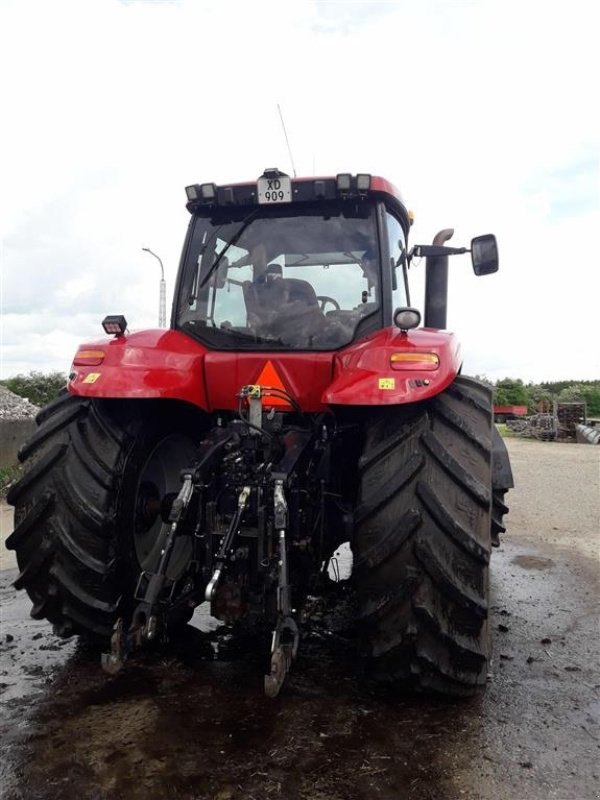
(293, 405)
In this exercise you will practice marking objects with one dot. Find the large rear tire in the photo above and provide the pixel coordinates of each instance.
(422, 540)
(87, 509)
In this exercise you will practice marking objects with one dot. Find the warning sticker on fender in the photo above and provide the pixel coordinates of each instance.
(387, 383)
(91, 377)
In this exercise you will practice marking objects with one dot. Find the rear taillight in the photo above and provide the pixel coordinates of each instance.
(88, 358)
(415, 361)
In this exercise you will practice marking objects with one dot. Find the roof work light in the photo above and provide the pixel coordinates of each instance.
(208, 192)
(344, 182)
(363, 183)
(115, 324)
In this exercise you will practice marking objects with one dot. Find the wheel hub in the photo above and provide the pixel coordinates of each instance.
(158, 485)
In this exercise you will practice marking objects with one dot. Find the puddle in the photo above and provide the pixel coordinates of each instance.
(532, 562)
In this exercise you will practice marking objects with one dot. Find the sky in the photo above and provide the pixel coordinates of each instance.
(483, 112)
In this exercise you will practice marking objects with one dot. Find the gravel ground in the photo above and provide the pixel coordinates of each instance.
(193, 723)
(14, 407)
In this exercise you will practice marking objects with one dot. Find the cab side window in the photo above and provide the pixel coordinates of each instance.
(397, 247)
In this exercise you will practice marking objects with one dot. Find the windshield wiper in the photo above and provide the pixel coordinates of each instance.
(234, 239)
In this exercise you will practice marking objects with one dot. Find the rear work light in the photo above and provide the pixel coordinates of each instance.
(208, 192)
(415, 361)
(407, 318)
(344, 182)
(205, 192)
(363, 183)
(115, 324)
(88, 358)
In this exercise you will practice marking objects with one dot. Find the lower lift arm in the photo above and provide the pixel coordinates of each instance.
(148, 592)
(284, 646)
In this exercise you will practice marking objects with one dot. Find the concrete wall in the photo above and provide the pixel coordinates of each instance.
(13, 432)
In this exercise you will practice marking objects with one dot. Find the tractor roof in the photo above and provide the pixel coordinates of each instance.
(206, 196)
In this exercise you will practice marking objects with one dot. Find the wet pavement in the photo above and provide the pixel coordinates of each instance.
(193, 722)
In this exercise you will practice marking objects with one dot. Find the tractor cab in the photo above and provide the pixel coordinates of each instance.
(261, 272)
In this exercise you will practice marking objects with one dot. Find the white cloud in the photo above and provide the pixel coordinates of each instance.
(480, 113)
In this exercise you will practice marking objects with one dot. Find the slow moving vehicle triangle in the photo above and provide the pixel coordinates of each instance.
(270, 377)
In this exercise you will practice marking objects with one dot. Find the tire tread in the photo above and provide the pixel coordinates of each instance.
(422, 540)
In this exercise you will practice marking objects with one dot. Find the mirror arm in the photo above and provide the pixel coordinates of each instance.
(420, 250)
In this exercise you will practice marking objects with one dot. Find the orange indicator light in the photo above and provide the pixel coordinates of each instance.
(419, 361)
(88, 358)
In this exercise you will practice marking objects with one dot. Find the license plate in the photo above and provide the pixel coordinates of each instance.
(274, 190)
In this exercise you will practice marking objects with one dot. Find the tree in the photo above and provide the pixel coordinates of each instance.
(583, 393)
(37, 387)
(540, 398)
(511, 392)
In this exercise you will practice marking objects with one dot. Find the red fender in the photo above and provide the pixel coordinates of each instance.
(146, 364)
(391, 367)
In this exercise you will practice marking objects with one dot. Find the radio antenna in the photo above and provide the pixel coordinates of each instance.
(287, 141)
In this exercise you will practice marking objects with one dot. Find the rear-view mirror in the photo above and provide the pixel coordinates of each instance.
(484, 254)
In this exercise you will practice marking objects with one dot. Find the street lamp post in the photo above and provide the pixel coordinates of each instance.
(162, 302)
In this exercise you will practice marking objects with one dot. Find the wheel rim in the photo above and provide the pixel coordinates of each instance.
(159, 477)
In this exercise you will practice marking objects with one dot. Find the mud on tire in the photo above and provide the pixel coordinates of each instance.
(422, 540)
(74, 512)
